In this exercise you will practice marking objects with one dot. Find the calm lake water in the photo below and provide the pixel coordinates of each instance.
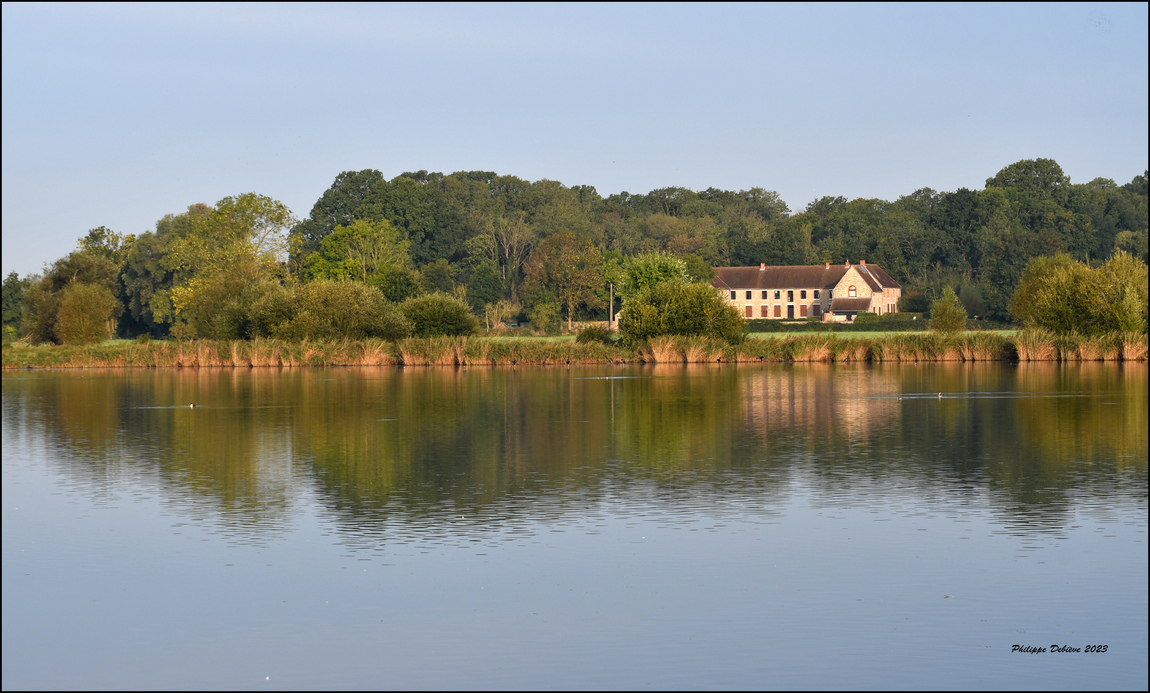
(779, 526)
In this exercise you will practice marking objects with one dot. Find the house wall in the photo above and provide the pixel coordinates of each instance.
(757, 303)
(882, 302)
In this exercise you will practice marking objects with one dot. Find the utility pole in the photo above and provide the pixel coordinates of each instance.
(611, 309)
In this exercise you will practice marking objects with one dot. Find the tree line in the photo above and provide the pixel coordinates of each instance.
(501, 248)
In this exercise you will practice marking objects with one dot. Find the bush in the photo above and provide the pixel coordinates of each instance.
(595, 333)
(438, 315)
(220, 306)
(1065, 296)
(334, 310)
(947, 313)
(677, 308)
(399, 284)
(85, 315)
(544, 317)
(1123, 287)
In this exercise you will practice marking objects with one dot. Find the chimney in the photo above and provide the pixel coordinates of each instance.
(828, 266)
(862, 262)
(762, 266)
(847, 264)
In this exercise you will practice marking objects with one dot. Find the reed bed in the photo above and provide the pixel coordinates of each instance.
(1027, 345)
(683, 349)
(811, 349)
(1133, 347)
(851, 350)
(1036, 345)
(772, 350)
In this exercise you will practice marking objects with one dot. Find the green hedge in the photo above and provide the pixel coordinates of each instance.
(894, 322)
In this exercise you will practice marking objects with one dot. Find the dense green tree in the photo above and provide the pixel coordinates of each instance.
(567, 270)
(1123, 288)
(359, 251)
(438, 276)
(434, 228)
(241, 239)
(484, 226)
(338, 206)
(43, 299)
(220, 305)
(15, 291)
(328, 309)
(1040, 178)
(106, 243)
(86, 314)
(645, 270)
(1064, 295)
(485, 286)
(678, 308)
(399, 283)
(947, 313)
(438, 315)
(1134, 243)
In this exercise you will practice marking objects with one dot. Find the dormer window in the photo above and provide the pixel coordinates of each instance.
(851, 292)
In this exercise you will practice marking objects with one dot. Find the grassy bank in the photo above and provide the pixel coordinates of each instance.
(484, 351)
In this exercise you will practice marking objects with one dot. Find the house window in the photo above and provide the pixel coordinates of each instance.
(732, 295)
(776, 295)
(790, 297)
(748, 295)
(851, 292)
(764, 295)
(763, 310)
(778, 311)
(816, 293)
(803, 294)
(818, 310)
(803, 310)
(749, 309)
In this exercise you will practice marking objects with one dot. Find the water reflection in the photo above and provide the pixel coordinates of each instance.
(495, 449)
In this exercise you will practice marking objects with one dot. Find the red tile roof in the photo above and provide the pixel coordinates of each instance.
(853, 304)
(797, 277)
(785, 277)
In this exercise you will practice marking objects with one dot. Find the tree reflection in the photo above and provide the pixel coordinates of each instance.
(496, 443)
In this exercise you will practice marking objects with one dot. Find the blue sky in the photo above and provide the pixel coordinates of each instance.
(116, 115)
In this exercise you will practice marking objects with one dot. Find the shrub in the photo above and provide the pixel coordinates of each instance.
(947, 313)
(595, 333)
(1063, 295)
(85, 314)
(335, 310)
(544, 317)
(219, 306)
(438, 315)
(399, 283)
(673, 307)
(1123, 287)
(647, 270)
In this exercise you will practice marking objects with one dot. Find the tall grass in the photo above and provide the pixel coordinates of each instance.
(1133, 346)
(1027, 345)
(1036, 345)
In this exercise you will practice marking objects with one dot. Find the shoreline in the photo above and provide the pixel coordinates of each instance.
(1026, 346)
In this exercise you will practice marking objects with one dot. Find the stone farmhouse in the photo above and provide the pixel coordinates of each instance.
(835, 293)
